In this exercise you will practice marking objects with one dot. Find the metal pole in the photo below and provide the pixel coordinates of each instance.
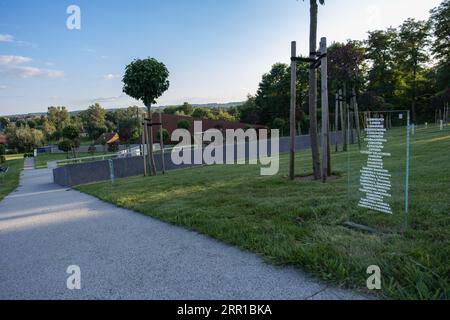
(293, 105)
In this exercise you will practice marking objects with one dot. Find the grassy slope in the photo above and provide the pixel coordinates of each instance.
(300, 223)
(10, 180)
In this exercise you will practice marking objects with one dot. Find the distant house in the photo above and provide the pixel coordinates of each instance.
(2, 139)
(108, 138)
(170, 123)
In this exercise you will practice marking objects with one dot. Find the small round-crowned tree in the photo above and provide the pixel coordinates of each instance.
(146, 80)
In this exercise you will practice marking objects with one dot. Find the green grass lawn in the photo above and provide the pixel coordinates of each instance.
(42, 159)
(301, 223)
(10, 180)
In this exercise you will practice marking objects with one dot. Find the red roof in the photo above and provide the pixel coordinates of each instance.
(2, 138)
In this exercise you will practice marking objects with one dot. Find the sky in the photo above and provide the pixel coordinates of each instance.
(215, 50)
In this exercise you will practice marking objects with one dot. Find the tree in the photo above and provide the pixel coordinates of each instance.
(65, 146)
(183, 124)
(3, 123)
(203, 113)
(186, 108)
(313, 90)
(59, 117)
(24, 139)
(94, 120)
(72, 135)
(128, 122)
(165, 135)
(411, 51)
(279, 124)
(146, 80)
(440, 23)
(383, 75)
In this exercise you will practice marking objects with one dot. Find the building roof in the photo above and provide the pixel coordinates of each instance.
(108, 138)
(2, 138)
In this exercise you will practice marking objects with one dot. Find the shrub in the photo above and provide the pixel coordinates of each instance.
(183, 124)
(65, 145)
(165, 134)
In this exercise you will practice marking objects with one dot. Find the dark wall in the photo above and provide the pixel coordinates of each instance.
(82, 173)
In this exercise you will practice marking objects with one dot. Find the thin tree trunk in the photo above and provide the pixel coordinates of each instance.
(341, 112)
(356, 110)
(150, 142)
(313, 92)
(293, 111)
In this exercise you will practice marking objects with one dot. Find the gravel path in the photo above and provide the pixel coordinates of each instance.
(124, 255)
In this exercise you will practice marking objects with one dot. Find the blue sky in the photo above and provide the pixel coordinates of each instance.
(215, 50)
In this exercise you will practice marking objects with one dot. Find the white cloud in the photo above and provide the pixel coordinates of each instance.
(2, 87)
(13, 65)
(6, 38)
(32, 72)
(13, 60)
(110, 76)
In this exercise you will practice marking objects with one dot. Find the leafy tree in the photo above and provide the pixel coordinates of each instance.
(186, 108)
(128, 123)
(3, 123)
(411, 51)
(383, 76)
(165, 136)
(24, 139)
(440, 23)
(279, 124)
(59, 117)
(65, 146)
(94, 120)
(146, 80)
(203, 113)
(72, 135)
(170, 110)
(31, 123)
(224, 115)
(183, 124)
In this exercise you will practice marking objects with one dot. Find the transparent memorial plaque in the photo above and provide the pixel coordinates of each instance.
(378, 169)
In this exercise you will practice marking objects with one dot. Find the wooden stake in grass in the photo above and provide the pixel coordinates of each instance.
(161, 143)
(325, 111)
(358, 128)
(336, 121)
(144, 134)
(293, 105)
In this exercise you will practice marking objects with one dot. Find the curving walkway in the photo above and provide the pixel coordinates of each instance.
(45, 228)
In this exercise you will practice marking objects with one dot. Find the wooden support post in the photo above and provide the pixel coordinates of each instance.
(325, 111)
(357, 122)
(151, 158)
(146, 156)
(161, 144)
(341, 111)
(293, 109)
(336, 122)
